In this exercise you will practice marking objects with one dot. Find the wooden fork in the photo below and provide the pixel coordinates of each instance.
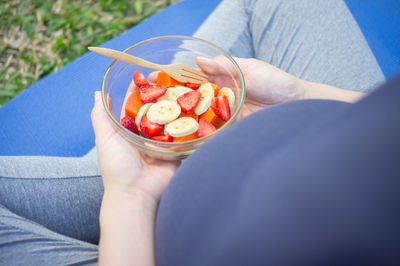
(178, 71)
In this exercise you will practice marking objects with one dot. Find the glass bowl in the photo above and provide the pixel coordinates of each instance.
(165, 50)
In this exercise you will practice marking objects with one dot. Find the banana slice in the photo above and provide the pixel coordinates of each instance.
(182, 127)
(174, 93)
(229, 94)
(163, 112)
(142, 111)
(207, 94)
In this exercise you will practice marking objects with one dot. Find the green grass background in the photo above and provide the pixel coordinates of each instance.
(37, 37)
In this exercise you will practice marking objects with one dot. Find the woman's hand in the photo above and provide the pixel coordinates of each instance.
(266, 85)
(123, 168)
(133, 185)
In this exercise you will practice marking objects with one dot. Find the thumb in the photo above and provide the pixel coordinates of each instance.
(102, 124)
(219, 65)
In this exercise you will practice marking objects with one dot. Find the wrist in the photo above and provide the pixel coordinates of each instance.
(312, 90)
(127, 222)
(128, 202)
(301, 88)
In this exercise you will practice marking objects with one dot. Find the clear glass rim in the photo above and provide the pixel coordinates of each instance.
(174, 144)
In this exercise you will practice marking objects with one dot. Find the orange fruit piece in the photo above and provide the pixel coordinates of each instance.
(212, 117)
(133, 104)
(191, 114)
(163, 79)
(194, 135)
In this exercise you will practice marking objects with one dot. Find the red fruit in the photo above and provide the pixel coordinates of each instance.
(193, 86)
(149, 93)
(129, 124)
(139, 79)
(189, 100)
(220, 105)
(205, 128)
(150, 129)
(163, 138)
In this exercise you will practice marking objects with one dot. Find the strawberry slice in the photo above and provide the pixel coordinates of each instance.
(150, 129)
(129, 124)
(139, 79)
(189, 100)
(205, 128)
(220, 105)
(193, 86)
(163, 138)
(150, 93)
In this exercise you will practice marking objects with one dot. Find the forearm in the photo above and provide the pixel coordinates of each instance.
(127, 229)
(312, 90)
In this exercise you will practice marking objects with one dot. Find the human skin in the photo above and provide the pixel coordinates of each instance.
(134, 183)
(267, 85)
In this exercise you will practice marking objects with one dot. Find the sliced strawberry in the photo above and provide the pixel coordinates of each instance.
(189, 100)
(149, 128)
(129, 124)
(220, 105)
(150, 93)
(139, 79)
(205, 128)
(193, 86)
(163, 138)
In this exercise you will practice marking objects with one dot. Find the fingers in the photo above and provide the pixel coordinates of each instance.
(132, 87)
(153, 77)
(209, 66)
(219, 65)
(102, 124)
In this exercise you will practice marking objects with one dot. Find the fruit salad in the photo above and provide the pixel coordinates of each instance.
(172, 111)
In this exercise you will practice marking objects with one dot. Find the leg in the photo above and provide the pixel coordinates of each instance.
(312, 39)
(23, 242)
(62, 194)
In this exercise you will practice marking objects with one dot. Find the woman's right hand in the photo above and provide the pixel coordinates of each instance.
(266, 85)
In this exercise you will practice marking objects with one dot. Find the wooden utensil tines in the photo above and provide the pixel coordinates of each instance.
(178, 71)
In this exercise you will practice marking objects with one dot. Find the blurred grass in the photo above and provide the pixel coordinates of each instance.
(37, 37)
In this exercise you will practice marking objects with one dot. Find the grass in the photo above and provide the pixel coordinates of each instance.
(37, 37)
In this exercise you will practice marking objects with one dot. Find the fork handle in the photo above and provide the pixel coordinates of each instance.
(125, 57)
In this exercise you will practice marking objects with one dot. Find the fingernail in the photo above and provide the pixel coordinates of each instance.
(206, 64)
(204, 59)
(97, 96)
